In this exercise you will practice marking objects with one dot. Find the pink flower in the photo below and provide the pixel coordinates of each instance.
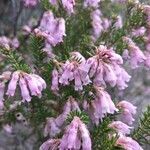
(24, 90)
(138, 32)
(30, 3)
(35, 83)
(74, 69)
(128, 143)
(53, 2)
(100, 106)
(136, 55)
(7, 128)
(54, 86)
(105, 66)
(54, 125)
(120, 127)
(85, 136)
(128, 111)
(52, 29)
(146, 9)
(26, 29)
(5, 42)
(69, 5)
(118, 24)
(106, 24)
(51, 144)
(97, 24)
(76, 135)
(9, 43)
(14, 43)
(122, 77)
(13, 84)
(29, 83)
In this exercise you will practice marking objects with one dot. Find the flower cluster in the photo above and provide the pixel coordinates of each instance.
(123, 141)
(51, 144)
(128, 110)
(128, 143)
(76, 136)
(54, 125)
(99, 24)
(73, 69)
(134, 54)
(51, 29)
(9, 43)
(103, 67)
(100, 106)
(30, 84)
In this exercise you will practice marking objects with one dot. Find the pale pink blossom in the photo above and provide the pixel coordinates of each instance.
(24, 90)
(7, 128)
(76, 135)
(100, 106)
(119, 23)
(52, 29)
(69, 5)
(120, 127)
(128, 143)
(13, 84)
(85, 136)
(97, 24)
(75, 69)
(55, 76)
(138, 32)
(137, 57)
(54, 125)
(53, 2)
(128, 110)
(14, 43)
(5, 42)
(51, 144)
(105, 67)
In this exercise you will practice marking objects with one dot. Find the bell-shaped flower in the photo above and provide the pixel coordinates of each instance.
(76, 136)
(128, 110)
(120, 127)
(128, 143)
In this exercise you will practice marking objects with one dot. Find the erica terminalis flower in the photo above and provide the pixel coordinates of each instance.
(119, 23)
(69, 5)
(54, 125)
(105, 67)
(128, 110)
(76, 136)
(30, 84)
(72, 70)
(51, 144)
(136, 56)
(100, 106)
(51, 28)
(120, 127)
(128, 143)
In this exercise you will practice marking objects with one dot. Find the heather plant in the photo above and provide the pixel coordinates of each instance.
(58, 76)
